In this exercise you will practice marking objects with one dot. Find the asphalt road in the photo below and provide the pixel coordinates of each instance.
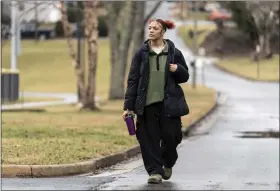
(216, 160)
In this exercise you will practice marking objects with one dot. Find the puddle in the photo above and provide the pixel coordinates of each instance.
(259, 134)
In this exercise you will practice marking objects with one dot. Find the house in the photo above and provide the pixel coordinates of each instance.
(42, 11)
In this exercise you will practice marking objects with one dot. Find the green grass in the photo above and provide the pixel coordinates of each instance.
(62, 134)
(198, 15)
(192, 15)
(244, 67)
(47, 66)
(202, 32)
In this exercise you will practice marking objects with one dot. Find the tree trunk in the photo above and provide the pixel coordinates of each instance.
(138, 32)
(120, 38)
(91, 34)
(153, 10)
(125, 24)
(113, 22)
(126, 37)
(140, 22)
(68, 34)
(265, 19)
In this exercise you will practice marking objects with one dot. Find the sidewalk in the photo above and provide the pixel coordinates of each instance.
(66, 98)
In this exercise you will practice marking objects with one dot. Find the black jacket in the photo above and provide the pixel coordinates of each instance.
(136, 92)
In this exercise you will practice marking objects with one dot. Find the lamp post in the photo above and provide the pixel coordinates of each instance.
(14, 36)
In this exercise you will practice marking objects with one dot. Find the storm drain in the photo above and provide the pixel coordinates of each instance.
(259, 134)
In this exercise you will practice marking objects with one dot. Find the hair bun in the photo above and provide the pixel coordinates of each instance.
(169, 24)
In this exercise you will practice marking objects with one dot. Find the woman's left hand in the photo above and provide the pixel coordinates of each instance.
(173, 67)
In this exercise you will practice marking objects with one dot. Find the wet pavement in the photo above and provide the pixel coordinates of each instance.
(217, 160)
(62, 183)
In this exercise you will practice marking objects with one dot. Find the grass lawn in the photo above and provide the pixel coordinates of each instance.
(244, 67)
(62, 134)
(47, 66)
(192, 15)
(202, 32)
(197, 15)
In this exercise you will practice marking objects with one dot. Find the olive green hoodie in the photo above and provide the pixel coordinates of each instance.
(157, 63)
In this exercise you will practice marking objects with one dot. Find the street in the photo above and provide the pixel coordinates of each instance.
(221, 159)
(217, 160)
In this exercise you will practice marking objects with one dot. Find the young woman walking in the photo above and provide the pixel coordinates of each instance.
(154, 95)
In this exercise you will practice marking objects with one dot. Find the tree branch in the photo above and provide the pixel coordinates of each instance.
(32, 9)
(152, 11)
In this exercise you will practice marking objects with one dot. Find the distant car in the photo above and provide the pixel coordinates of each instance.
(28, 31)
(220, 14)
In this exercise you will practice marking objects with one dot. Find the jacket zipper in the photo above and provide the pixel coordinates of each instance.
(158, 62)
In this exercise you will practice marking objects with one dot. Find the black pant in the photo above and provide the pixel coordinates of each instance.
(158, 136)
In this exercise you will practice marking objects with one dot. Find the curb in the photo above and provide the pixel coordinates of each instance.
(12, 171)
(36, 171)
(243, 77)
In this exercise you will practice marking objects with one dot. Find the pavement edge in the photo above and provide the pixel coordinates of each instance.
(36, 171)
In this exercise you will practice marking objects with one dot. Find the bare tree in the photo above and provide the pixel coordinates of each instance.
(91, 34)
(126, 22)
(140, 22)
(120, 22)
(265, 16)
(87, 93)
(152, 11)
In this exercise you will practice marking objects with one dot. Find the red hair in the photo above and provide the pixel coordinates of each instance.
(166, 24)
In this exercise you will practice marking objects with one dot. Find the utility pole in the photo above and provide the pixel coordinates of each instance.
(14, 36)
(194, 44)
(18, 36)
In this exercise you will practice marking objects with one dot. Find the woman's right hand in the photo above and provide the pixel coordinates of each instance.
(125, 113)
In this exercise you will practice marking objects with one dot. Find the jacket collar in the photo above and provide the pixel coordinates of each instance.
(171, 46)
(165, 48)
